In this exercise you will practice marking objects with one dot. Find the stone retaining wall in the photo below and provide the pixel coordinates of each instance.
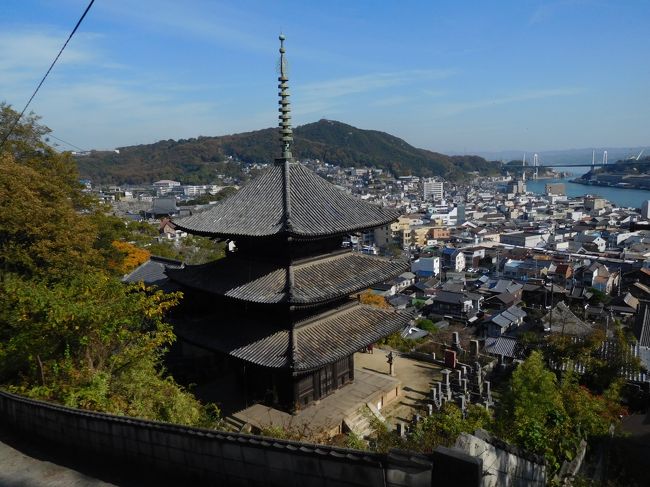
(208, 456)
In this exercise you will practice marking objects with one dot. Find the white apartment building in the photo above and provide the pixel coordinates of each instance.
(165, 186)
(191, 190)
(432, 189)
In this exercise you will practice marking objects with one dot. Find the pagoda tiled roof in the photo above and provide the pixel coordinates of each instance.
(314, 281)
(319, 340)
(314, 208)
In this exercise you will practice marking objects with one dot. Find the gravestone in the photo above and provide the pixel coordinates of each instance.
(446, 386)
(473, 348)
(450, 359)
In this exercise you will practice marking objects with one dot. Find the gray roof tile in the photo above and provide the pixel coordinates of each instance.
(264, 282)
(320, 340)
(152, 272)
(317, 208)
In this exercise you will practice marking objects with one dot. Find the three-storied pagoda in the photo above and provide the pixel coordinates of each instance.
(279, 305)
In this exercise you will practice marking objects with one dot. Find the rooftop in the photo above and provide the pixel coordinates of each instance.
(316, 208)
(267, 282)
(319, 340)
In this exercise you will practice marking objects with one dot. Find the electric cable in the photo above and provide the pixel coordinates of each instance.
(13, 126)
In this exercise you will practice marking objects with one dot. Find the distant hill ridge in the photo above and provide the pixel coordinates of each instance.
(198, 160)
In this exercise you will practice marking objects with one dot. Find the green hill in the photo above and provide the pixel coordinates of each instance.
(198, 160)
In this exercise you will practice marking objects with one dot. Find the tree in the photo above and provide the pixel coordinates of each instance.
(91, 342)
(427, 325)
(131, 256)
(532, 408)
(549, 418)
(602, 370)
(70, 331)
(41, 232)
(606, 371)
(440, 429)
(368, 297)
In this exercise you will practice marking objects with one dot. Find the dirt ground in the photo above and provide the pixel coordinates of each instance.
(416, 377)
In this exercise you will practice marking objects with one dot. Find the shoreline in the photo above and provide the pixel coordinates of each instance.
(576, 181)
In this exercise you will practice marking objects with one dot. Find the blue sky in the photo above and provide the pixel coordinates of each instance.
(457, 76)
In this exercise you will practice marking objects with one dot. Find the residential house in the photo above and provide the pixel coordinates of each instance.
(525, 269)
(384, 289)
(403, 281)
(452, 259)
(560, 319)
(624, 305)
(473, 257)
(168, 231)
(504, 347)
(458, 305)
(522, 239)
(598, 276)
(561, 273)
(399, 301)
(426, 266)
(505, 322)
(589, 242)
(539, 295)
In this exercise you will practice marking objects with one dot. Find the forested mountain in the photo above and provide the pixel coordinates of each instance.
(198, 160)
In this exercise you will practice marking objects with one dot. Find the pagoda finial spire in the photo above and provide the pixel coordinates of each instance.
(286, 134)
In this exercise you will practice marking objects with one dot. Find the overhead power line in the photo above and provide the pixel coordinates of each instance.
(65, 142)
(13, 125)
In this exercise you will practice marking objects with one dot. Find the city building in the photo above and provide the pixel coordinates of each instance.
(432, 190)
(521, 239)
(555, 189)
(645, 209)
(594, 203)
(426, 266)
(452, 259)
(517, 187)
(165, 186)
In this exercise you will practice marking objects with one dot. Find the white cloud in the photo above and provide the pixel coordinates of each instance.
(359, 84)
(389, 101)
(209, 21)
(26, 55)
(91, 101)
(324, 97)
(547, 10)
(104, 114)
(455, 108)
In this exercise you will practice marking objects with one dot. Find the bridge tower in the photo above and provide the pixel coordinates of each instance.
(604, 158)
(536, 165)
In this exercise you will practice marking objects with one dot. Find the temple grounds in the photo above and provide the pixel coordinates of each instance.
(416, 378)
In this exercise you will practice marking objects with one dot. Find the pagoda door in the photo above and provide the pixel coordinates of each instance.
(326, 380)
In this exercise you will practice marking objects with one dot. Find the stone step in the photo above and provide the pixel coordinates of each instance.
(359, 422)
(375, 412)
(233, 424)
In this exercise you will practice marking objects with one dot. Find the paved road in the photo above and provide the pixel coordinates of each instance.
(26, 469)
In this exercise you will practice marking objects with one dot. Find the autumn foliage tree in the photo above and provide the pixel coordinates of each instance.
(70, 331)
(131, 256)
(368, 297)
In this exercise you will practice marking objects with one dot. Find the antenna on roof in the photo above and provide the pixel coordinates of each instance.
(286, 134)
